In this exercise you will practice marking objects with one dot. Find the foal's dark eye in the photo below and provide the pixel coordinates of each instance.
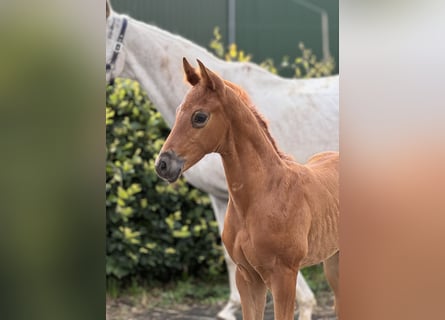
(199, 119)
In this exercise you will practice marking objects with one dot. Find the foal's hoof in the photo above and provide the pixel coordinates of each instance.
(228, 312)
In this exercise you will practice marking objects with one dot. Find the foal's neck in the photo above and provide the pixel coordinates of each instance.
(250, 159)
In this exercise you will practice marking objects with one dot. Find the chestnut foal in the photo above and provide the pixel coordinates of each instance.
(281, 216)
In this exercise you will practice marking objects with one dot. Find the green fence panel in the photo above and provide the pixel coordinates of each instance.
(264, 28)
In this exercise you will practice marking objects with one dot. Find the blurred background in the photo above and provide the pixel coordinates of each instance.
(264, 29)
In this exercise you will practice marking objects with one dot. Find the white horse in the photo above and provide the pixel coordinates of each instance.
(153, 57)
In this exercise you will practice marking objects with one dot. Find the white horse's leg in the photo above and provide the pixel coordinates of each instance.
(234, 303)
(305, 298)
(304, 295)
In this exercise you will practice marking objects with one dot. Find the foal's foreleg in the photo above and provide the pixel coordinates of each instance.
(282, 285)
(253, 294)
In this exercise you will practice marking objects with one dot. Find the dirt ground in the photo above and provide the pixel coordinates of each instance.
(127, 309)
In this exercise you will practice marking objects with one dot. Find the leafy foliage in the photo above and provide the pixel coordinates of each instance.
(156, 231)
(306, 65)
(232, 54)
(315, 278)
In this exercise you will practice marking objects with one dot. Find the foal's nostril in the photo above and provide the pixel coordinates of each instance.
(168, 166)
(162, 165)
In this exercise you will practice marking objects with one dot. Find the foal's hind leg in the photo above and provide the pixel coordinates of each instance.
(252, 292)
(331, 271)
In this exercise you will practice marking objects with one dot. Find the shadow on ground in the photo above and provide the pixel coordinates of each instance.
(121, 309)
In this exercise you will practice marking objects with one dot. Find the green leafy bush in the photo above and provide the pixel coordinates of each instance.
(155, 231)
(306, 65)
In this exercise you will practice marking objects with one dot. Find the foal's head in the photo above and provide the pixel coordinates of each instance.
(200, 124)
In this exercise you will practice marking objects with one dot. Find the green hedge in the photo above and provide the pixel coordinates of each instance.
(155, 231)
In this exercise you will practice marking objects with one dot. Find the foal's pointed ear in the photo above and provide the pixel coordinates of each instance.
(190, 73)
(211, 79)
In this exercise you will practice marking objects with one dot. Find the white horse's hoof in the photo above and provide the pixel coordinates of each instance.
(228, 312)
(305, 315)
(305, 310)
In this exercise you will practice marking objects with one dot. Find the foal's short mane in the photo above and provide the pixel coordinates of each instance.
(244, 97)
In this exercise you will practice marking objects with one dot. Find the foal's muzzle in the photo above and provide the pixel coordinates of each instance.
(169, 166)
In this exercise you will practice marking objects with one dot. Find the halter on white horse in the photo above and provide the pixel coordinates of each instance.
(121, 25)
(153, 57)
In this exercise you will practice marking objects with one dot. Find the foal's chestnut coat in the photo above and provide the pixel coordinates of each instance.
(281, 215)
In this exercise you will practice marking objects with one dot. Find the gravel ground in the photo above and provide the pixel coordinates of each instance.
(125, 309)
